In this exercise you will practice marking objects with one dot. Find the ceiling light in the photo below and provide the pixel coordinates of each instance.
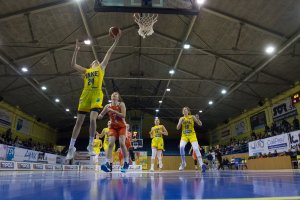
(224, 91)
(67, 109)
(57, 100)
(87, 42)
(200, 2)
(24, 69)
(186, 46)
(168, 89)
(172, 71)
(44, 88)
(75, 117)
(200, 111)
(210, 102)
(160, 101)
(156, 110)
(270, 49)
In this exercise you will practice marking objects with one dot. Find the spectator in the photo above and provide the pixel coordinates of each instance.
(296, 124)
(253, 136)
(219, 158)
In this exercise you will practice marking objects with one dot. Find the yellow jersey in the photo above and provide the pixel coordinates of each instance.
(97, 145)
(93, 78)
(156, 131)
(106, 138)
(188, 125)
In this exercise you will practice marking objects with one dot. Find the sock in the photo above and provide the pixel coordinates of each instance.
(126, 159)
(72, 143)
(91, 140)
(200, 160)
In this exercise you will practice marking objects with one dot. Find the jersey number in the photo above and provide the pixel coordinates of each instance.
(91, 81)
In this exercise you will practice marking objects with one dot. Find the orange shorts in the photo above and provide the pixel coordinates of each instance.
(128, 143)
(117, 132)
(194, 155)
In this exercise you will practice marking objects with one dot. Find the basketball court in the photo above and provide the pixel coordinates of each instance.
(206, 61)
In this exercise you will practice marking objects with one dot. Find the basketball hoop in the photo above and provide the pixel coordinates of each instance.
(145, 22)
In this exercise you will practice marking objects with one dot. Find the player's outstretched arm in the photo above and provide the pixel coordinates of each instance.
(197, 120)
(73, 62)
(109, 52)
(104, 111)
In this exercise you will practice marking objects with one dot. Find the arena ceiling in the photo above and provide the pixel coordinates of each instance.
(228, 40)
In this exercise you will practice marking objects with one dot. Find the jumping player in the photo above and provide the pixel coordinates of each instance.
(189, 135)
(91, 97)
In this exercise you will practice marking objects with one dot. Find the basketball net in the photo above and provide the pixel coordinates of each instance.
(145, 22)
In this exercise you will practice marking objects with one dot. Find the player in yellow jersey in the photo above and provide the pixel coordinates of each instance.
(157, 143)
(97, 145)
(91, 97)
(105, 134)
(188, 134)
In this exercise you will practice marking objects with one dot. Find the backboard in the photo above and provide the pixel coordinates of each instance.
(179, 7)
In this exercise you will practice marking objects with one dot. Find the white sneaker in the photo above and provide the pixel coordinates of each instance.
(71, 153)
(182, 166)
(160, 165)
(91, 150)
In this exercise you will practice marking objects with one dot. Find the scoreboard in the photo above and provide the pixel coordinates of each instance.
(295, 98)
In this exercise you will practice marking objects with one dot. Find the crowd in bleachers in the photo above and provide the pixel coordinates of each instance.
(241, 145)
(6, 138)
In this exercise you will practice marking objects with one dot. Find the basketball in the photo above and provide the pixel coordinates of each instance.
(114, 31)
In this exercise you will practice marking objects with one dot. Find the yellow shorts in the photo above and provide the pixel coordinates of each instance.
(90, 99)
(158, 143)
(97, 151)
(105, 147)
(191, 137)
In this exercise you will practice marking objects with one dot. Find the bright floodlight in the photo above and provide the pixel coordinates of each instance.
(156, 110)
(67, 109)
(75, 117)
(160, 101)
(168, 89)
(223, 91)
(44, 88)
(200, 2)
(57, 100)
(200, 111)
(270, 49)
(186, 46)
(24, 69)
(210, 102)
(172, 71)
(87, 42)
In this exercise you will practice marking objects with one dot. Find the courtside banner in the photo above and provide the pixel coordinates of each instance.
(294, 140)
(280, 143)
(36, 166)
(25, 155)
(50, 158)
(256, 147)
(3, 151)
(7, 165)
(23, 166)
(71, 167)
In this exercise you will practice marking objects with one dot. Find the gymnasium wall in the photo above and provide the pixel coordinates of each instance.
(224, 132)
(39, 132)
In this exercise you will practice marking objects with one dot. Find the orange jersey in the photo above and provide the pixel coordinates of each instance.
(116, 121)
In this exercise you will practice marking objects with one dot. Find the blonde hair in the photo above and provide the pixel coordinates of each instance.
(188, 109)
